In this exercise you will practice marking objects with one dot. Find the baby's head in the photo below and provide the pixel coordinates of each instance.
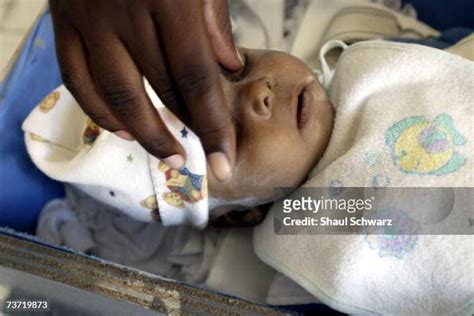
(283, 120)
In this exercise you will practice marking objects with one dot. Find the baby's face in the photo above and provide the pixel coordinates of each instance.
(283, 120)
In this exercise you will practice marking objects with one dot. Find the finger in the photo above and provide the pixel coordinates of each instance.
(76, 75)
(219, 29)
(145, 49)
(196, 73)
(121, 84)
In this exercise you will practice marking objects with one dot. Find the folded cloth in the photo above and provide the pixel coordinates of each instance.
(59, 225)
(179, 252)
(404, 117)
(68, 146)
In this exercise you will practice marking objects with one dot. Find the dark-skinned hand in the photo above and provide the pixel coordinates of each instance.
(106, 47)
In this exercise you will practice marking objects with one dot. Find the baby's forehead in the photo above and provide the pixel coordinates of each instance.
(278, 58)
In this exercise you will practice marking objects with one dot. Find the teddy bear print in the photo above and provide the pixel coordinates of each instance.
(91, 132)
(49, 102)
(173, 199)
(184, 185)
(151, 203)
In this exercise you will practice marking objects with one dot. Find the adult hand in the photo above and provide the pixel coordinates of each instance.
(105, 48)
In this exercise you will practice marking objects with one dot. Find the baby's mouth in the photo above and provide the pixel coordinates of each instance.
(303, 108)
(306, 105)
(300, 117)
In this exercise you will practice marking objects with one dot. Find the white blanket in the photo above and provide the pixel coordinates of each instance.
(67, 146)
(404, 118)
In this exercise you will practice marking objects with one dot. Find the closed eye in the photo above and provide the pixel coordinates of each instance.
(242, 73)
(245, 70)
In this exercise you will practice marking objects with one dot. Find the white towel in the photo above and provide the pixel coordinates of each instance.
(388, 98)
(67, 146)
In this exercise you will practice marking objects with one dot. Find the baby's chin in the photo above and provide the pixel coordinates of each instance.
(245, 192)
(235, 199)
(232, 195)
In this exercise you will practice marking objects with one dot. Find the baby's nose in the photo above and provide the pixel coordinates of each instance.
(261, 96)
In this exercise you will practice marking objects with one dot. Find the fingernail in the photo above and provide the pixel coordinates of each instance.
(124, 135)
(220, 166)
(174, 161)
(242, 63)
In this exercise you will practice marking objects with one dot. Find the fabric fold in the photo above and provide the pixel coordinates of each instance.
(68, 146)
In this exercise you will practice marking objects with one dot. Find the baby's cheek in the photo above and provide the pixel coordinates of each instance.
(274, 156)
(291, 163)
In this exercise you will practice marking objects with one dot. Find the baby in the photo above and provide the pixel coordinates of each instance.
(400, 115)
(283, 120)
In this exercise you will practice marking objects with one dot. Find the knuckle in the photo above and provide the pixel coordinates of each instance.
(212, 131)
(158, 145)
(72, 80)
(194, 80)
(164, 89)
(167, 94)
(121, 95)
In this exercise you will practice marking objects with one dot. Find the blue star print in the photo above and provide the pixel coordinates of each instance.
(184, 132)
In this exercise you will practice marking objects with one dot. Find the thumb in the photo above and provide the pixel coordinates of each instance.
(219, 29)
